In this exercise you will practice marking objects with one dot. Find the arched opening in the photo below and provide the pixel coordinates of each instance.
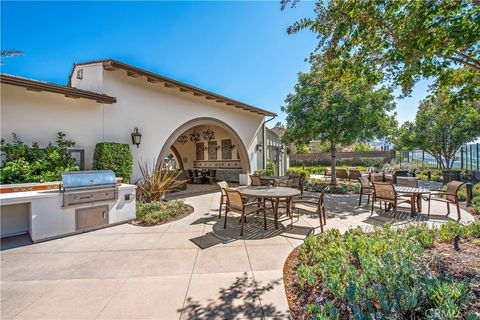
(172, 160)
(216, 147)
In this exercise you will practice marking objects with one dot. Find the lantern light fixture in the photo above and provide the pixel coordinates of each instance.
(259, 147)
(136, 137)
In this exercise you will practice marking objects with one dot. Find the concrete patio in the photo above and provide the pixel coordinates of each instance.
(188, 269)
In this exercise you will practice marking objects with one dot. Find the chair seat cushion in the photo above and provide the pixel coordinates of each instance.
(306, 207)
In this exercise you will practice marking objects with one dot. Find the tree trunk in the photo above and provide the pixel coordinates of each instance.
(333, 151)
(447, 162)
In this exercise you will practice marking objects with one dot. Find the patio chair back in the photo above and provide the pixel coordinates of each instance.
(256, 181)
(384, 191)
(341, 173)
(452, 189)
(354, 174)
(364, 182)
(295, 181)
(284, 183)
(407, 182)
(376, 177)
(223, 185)
(321, 199)
(371, 170)
(235, 200)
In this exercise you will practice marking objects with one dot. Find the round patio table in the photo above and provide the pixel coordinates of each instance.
(274, 193)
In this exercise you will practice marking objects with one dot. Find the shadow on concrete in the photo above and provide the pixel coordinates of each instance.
(241, 299)
(15, 242)
(252, 230)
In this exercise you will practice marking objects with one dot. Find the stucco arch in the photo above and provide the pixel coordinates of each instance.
(205, 121)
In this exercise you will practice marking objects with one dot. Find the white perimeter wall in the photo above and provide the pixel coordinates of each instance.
(157, 112)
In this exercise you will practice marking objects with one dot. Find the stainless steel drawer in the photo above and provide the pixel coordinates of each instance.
(91, 217)
(71, 198)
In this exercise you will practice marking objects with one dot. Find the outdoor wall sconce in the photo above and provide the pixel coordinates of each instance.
(182, 139)
(136, 137)
(232, 147)
(259, 147)
(282, 149)
(219, 147)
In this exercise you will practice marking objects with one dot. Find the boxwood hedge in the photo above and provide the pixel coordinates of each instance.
(114, 156)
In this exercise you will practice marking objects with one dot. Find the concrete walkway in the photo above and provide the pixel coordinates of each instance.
(188, 269)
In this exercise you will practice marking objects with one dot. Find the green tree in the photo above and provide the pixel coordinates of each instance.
(361, 147)
(334, 103)
(405, 39)
(442, 125)
(301, 148)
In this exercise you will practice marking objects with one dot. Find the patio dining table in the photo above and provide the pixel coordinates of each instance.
(273, 193)
(415, 194)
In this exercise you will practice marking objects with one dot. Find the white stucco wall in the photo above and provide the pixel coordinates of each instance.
(38, 116)
(156, 111)
(92, 77)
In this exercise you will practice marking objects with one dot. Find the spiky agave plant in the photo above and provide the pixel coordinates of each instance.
(156, 182)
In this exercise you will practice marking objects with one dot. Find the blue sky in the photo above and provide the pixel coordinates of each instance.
(237, 49)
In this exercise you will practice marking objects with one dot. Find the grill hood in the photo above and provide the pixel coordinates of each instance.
(88, 179)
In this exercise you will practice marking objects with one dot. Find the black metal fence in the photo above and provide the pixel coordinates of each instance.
(466, 158)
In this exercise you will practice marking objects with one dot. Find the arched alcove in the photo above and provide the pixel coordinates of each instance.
(206, 121)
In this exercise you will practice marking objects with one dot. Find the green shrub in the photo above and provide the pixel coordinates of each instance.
(260, 172)
(155, 212)
(23, 163)
(378, 273)
(372, 162)
(472, 230)
(449, 230)
(424, 235)
(114, 156)
(270, 169)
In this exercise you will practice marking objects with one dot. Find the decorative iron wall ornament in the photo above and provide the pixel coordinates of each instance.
(208, 135)
(194, 136)
(182, 139)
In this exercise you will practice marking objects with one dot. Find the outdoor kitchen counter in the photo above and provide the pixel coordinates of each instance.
(42, 215)
(22, 197)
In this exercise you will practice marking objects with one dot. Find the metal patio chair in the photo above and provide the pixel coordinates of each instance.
(450, 196)
(312, 204)
(235, 204)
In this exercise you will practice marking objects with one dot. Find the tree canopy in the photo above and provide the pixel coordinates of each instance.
(406, 40)
(443, 124)
(334, 102)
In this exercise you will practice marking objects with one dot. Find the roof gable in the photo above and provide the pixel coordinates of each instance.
(132, 71)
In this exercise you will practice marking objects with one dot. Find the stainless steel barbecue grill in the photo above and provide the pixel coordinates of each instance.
(88, 186)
